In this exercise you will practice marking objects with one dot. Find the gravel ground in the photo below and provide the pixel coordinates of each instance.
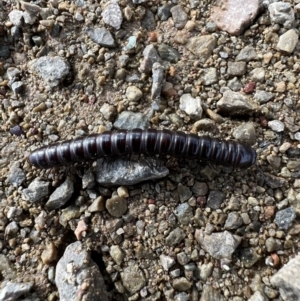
(195, 231)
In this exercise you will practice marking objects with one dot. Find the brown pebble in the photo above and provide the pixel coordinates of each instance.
(249, 88)
(49, 254)
(269, 212)
(152, 36)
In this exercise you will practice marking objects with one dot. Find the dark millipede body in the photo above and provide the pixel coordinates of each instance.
(148, 142)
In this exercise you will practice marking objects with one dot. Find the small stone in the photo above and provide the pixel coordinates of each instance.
(281, 13)
(168, 53)
(11, 291)
(157, 81)
(175, 237)
(133, 279)
(233, 221)
(31, 8)
(182, 258)
(205, 270)
(123, 192)
(184, 213)
(263, 96)
(101, 36)
(117, 254)
(108, 111)
(273, 244)
(200, 188)
(166, 261)
(210, 76)
(36, 190)
(181, 284)
(130, 120)
(276, 126)
(211, 294)
(179, 16)
(133, 93)
(49, 254)
(258, 75)
(164, 12)
(288, 41)
(215, 199)
(202, 46)
(284, 218)
(116, 206)
(148, 22)
(245, 133)
(88, 180)
(97, 205)
(61, 195)
(150, 57)
(236, 68)
(247, 54)
(16, 175)
(258, 296)
(16, 17)
(80, 229)
(17, 87)
(191, 106)
(112, 14)
(184, 192)
(249, 257)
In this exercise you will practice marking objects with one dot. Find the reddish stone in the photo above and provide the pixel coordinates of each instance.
(249, 88)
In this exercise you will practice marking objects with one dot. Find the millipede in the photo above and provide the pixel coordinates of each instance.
(144, 142)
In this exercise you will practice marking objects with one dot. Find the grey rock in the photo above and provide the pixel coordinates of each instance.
(211, 294)
(13, 74)
(16, 175)
(11, 229)
(117, 254)
(29, 18)
(184, 213)
(215, 199)
(182, 258)
(61, 195)
(130, 120)
(148, 22)
(210, 76)
(258, 296)
(133, 278)
(272, 244)
(284, 218)
(166, 261)
(16, 17)
(36, 190)
(11, 291)
(150, 57)
(112, 14)
(116, 206)
(76, 270)
(4, 52)
(37, 40)
(205, 270)
(179, 16)
(202, 46)
(183, 296)
(184, 192)
(219, 245)
(245, 133)
(233, 16)
(233, 221)
(17, 87)
(200, 188)
(164, 12)
(282, 13)
(249, 257)
(168, 53)
(88, 179)
(235, 84)
(101, 36)
(273, 181)
(52, 69)
(285, 280)
(234, 103)
(247, 54)
(108, 111)
(124, 172)
(157, 80)
(258, 75)
(31, 8)
(263, 96)
(276, 125)
(236, 68)
(131, 44)
(175, 237)
(191, 106)
(181, 284)
(288, 41)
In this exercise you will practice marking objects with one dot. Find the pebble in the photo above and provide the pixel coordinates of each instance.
(11, 291)
(233, 221)
(175, 237)
(183, 296)
(166, 261)
(88, 180)
(263, 96)
(220, 244)
(179, 16)
(233, 16)
(215, 199)
(205, 270)
(11, 229)
(116, 206)
(17, 87)
(184, 192)
(112, 14)
(16, 175)
(31, 8)
(49, 254)
(157, 81)
(184, 213)
(245, 133)
(133, 278)
(121, 171)
(200, 188)
(234, 103)
(97, 205)
(181, 284)
(286, 281)
(211, 294)
(288, 41)
(36, 190)
(236, 68)
(284, 218)
(281, 13)
(16, 17)
(168, 53)
(164, 12)
(60, 195)
(150, 57)
(183, 259)
(191, 106)
(117, 254)
(101, 36)
(210, 76)
(133, 93)
(148, 22)
(276, 126)
(130, 120)
(247, 54)
(108, 111)
(272, 244)
(258, 75)
(249, 257)
(76, 263)
(52, 69)
(258, 296)
(202, 46)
